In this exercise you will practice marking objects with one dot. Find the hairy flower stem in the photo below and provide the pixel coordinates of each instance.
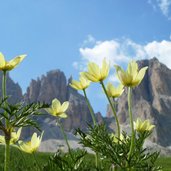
(94, 121)
(113, 109)
(7, 139)
(7, 155)
(4, 85)
(4, 91)
(90, 108)
(131, 121)
(65, 137)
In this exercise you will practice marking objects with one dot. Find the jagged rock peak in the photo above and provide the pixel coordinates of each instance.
(49, 86)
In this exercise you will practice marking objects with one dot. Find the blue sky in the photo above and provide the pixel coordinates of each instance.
(67, 34)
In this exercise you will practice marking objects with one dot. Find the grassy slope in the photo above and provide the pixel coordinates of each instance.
(18, 159)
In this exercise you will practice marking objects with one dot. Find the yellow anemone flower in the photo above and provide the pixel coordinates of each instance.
(113, 91)
(95, 73)
(115, 139)
(31, 146)
(142, 126)
(132, 77)
(80, 85)
(57, 109)
(14, 137)
(9, 65)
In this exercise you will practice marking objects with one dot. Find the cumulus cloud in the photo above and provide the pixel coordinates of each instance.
(161, 50)
(122, 51)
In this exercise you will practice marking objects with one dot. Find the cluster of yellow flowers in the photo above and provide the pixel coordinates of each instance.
(30, 146)
(129, 78)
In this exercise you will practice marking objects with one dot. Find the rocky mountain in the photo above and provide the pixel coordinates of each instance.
(151, 100)
(54, 85)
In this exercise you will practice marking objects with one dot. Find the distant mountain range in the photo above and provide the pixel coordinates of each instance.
(151, 100)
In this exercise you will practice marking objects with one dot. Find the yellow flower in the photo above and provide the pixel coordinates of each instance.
(132, 77)
(14, 137)
(9, 65)
(142, 126)
(31, 146)
(80, 85)
(57, 109)
(95, 73)
(115, 139)
(113, 91)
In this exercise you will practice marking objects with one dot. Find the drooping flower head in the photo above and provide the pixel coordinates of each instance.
(142, 126)
(113, 91)
(14, 137)
(58, 109)
(132, 77)
(32, 145)
(9, 65)
(80, 85)
(95, 73)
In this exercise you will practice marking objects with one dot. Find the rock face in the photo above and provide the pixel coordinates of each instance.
(151, 100)
(54, 85)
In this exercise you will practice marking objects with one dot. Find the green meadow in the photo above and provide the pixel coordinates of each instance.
(22, 161)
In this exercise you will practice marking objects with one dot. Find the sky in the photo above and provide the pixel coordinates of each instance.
(67, 34)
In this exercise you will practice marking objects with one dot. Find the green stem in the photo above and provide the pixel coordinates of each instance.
(7, 137)
(4, 85)
(131, 121)
(4, 93)
(94, 121)
(90, 108)
(65, 137)
(113, 109)
(7, 155)
(37, 161)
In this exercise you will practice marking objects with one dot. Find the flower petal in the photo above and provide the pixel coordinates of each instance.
(64, 106)
(140, 76)
(14, 62)
(2, 61)
(91, 77)
(105, 69)
(132, 69)
(94, 70)
(63, 115)
(56, 105)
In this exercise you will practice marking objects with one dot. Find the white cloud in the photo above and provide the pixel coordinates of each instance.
(112, 50)
(164, 6)
(122, 51)
(161, 50)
